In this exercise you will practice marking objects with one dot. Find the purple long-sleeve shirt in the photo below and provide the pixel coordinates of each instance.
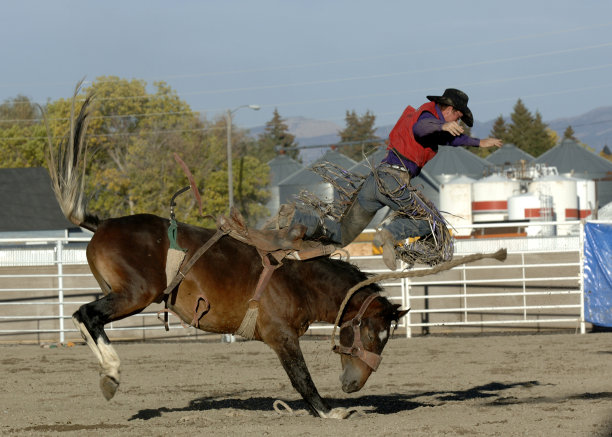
(428, 132)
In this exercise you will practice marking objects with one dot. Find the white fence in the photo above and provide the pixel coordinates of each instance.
(539, 286)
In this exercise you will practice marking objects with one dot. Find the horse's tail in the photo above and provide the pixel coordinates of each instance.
(67, 161)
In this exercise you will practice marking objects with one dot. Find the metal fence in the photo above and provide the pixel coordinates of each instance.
(539, 286)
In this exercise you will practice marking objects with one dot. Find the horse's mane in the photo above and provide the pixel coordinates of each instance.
(346, 269)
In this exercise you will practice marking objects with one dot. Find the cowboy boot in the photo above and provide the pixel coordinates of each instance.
(384, 239)
(354, 221)
(317, 228)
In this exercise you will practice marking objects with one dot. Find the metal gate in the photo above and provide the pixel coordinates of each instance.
(539, 286)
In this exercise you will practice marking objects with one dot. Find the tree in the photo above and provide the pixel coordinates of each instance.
(359, 129)
(606, 153)
(542, 138)
(134, 134)
(20, 110)
(22, 134)
(569, 133)
(276, 135)
(499, 129)
(520, 127)
(528, 132)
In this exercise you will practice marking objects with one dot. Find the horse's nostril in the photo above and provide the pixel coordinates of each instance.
(350, 387)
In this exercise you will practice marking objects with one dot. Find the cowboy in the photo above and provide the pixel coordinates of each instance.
(412, 143)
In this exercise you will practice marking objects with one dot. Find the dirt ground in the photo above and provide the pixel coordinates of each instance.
(507, 385)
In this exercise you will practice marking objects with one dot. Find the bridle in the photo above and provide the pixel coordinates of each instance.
(357, 349)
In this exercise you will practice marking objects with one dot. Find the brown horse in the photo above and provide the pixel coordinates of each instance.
(127, 256)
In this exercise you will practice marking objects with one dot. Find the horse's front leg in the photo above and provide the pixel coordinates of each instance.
(290, 354)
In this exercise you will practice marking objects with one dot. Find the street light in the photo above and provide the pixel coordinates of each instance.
(229, 338)
(230, 176)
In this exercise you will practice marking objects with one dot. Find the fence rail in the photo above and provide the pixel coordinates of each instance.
(43, 281)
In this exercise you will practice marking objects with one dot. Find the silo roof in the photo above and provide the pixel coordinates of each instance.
(456, 160)
(306, 176)
(363, 168)
(569, 156)
(281, 167)
(509, 154)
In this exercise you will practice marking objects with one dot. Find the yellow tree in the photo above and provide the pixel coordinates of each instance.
(22, 134)
(133, 136)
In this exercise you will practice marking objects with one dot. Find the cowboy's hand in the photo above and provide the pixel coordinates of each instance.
(453, 128)
(490, 142)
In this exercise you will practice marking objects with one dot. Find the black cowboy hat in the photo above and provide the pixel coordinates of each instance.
(458, 100)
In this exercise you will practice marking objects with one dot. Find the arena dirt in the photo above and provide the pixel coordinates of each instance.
(509, 385)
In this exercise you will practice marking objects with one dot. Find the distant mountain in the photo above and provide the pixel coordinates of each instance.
(593, 128)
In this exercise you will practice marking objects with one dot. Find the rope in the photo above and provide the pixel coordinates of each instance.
(499, 255)
(278, 402)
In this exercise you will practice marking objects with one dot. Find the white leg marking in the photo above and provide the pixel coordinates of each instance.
(88, 339)
(110, 360)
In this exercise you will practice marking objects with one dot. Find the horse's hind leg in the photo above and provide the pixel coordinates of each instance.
(90, 320)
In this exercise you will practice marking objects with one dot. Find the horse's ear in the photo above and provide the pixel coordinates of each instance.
(398, 314)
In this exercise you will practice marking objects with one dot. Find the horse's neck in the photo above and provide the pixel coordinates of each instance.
(339, 303)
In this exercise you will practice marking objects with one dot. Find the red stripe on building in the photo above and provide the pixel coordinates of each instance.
(490, 205)
(571, 213)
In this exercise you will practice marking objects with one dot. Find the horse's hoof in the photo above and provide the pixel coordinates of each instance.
(109, 386)
(339, 413)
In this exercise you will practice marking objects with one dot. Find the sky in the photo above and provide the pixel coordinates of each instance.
(318, 58)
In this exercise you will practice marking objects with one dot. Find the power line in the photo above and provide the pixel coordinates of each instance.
(481, 42)
(394, 93)
(384, 75)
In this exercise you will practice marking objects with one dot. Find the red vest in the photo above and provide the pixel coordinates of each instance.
(402, 138)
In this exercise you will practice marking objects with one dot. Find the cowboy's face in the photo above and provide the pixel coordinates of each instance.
(451, 114)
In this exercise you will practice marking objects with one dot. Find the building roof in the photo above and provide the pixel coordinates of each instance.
(456, 160)
(28, 203)
(281, 167)
(570, 157)
(509, 154)
(364, 167)
(305, 176)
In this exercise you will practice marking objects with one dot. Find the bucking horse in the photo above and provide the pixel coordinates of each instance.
(128, 257)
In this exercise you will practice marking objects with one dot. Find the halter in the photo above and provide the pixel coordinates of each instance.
(356, 349)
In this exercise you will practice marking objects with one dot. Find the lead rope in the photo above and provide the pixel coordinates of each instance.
(499, 255)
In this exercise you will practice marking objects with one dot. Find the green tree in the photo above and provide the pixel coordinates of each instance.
(359, 129)
(20, 110)
(542, 138)
(22, 134)
(528, 132)
(276, 134)
(134, 135)
(569, 133)
(499, 129)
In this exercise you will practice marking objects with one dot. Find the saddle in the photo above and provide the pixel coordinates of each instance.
(285, 242)
(272, 245)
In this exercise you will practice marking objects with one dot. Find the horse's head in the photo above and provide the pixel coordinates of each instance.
(363, 338)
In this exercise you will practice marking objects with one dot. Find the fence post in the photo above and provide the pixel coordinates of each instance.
(406, 287)
(581, 278)
(60, 289)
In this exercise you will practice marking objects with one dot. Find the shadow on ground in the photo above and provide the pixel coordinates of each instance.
(379, 404)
